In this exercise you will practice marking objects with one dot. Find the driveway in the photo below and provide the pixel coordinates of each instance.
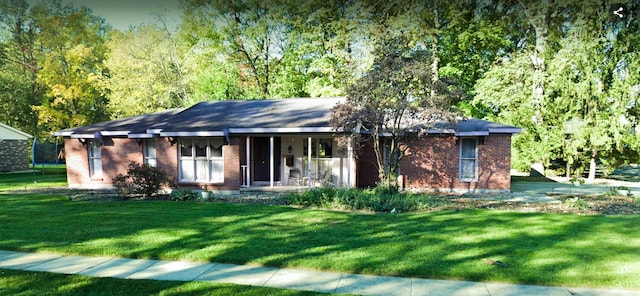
(562, 187)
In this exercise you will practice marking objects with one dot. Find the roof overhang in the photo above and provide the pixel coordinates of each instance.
(281, 130)
(510, 130)
(472, 134)
(193, 134)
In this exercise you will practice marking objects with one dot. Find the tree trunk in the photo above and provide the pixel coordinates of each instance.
(592, 164)
(435, 67)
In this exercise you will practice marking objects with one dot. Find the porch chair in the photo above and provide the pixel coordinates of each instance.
(295, 176)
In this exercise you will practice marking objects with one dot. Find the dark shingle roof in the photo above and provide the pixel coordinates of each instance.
(281, 113)
(122, 127)
(256, 116)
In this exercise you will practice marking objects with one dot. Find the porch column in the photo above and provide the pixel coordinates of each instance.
(271, 161)
(349, 161)
(248, 176)
(309, 161)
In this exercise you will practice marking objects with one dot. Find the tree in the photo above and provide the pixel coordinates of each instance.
(251, 34)
(19, 89)
(572, 89)
(71, 49)
(146, 72)
(50, 57)
(393, 104)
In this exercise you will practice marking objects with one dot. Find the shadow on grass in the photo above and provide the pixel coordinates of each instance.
(601, 251)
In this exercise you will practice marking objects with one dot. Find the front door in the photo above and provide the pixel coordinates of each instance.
(261, 159)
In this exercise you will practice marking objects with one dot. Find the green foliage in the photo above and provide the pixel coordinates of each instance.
(147, 72)
(399, 97)
(379, 199)
(141, 179)
(577, 203)
(184, 194)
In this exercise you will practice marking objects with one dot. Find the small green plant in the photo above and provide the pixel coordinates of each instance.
(184, 194)
(577, 203)
(577, 181)
(141, 179)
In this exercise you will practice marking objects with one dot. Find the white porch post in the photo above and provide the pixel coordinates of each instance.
(248, 176)
(271, 161)
(309, 161)
(349, 162)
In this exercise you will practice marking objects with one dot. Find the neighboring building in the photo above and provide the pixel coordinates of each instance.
(230, 145)
(14, 149)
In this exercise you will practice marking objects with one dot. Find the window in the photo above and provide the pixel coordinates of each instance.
(95, 159)
(201, 160)
(468, 159)
(149, 152)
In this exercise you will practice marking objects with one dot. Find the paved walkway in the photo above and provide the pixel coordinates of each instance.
(294, 279)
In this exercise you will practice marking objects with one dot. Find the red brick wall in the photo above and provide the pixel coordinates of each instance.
(433, 163)
(116, 154)
(366, 168)
(167, 157)
(77, 163)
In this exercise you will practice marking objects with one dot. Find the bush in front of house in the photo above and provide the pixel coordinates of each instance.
(141, 179)
(376, 200)
(184, 194)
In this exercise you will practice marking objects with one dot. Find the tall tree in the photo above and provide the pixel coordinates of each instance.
(19, 89)
(71, 48)
(565, 88)
(250, 33)
(147, 71)
(394, 105)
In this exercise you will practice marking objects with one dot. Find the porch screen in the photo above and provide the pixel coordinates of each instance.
(201, 160)
(321, 159)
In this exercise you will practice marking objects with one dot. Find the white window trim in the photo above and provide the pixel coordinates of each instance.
(460, 159)
(194, 159)
(95, 172)
(146, 156)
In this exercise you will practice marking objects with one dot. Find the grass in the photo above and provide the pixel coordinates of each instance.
(45, 176)
(545, 249)
(13, 282)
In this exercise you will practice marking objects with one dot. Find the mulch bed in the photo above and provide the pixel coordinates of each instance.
(570, 204)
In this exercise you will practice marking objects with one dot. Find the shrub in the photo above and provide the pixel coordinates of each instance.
(377, 200)
(141, 179)
(184, 194)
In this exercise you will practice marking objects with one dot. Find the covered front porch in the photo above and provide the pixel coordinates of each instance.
(285, 162)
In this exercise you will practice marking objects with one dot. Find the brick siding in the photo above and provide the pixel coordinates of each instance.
(433, 164)
(14, 155)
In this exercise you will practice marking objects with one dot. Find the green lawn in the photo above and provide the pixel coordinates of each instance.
(591, 251)
(13, 282)
(45, 176)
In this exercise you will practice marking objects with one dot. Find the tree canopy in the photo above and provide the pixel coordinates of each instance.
(565, 71)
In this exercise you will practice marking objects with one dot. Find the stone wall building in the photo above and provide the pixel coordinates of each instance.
(14, 149)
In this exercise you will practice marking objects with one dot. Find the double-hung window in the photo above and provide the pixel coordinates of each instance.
(150, 157)
(201, 160)
(95, 159)
(468, 159)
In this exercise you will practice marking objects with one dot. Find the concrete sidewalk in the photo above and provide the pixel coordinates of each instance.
(294, 279)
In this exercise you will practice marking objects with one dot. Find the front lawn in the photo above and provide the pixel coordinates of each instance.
(546, 249)
(14, 282)
(43, 176)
